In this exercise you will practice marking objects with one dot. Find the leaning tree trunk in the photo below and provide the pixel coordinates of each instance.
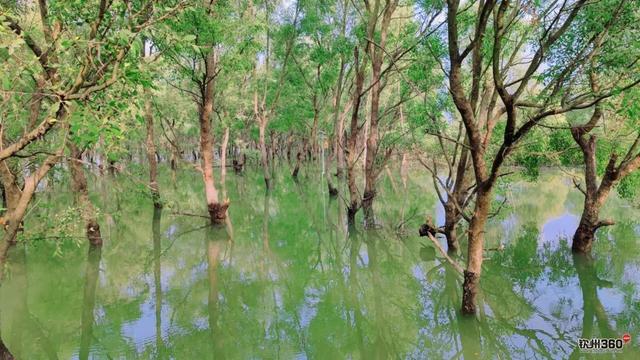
(471, 283)
(151, 152)
(79, 185)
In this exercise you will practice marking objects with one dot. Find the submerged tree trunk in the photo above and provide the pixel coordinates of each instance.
(79, 185)
(456, 203)
(264, 156)
(470, 286)
(299, 155)
(372, 167)
(151, 152)
(217, 210)
(351, 151)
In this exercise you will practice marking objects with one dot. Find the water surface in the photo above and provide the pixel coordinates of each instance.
(286, 280)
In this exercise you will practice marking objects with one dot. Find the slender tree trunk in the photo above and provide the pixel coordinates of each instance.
(264, 156)
(151, 152)
(79, 185)
(456, 202)
(377, 57)
(338, 119)
(223, 155)
(302, 150)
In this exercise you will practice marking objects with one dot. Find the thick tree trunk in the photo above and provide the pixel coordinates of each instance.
(352, 141)
(151, 152)
(471, 283)
(79, 185)
(585, 233)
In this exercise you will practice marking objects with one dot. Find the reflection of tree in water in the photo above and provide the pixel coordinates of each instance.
(299, 285)
(157, 278)
(215, 239)
(89, 300)
(26, 334)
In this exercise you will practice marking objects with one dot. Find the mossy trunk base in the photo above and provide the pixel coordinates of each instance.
(583, 239)
(470, 292)
(93, 233)
(218, 212)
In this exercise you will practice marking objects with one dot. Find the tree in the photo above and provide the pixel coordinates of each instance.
(516, 85)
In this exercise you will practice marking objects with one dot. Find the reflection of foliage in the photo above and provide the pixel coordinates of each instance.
(313, 289)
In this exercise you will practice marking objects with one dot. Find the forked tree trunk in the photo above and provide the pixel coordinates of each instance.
(79, 185)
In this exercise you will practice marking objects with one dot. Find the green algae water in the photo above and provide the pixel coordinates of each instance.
(286, 279)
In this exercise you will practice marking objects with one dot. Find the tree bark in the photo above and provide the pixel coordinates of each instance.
(372, 169)
(223, 155)
(217, 210)
(476, 244)
(79, 185)
(151, 152)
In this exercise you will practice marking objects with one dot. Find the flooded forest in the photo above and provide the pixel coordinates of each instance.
(319, 179)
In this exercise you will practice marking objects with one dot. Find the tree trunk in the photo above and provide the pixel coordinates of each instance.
(79, 185)
(476, 244)
(451, 219)
(264, 156)
(377, 57)
(217, 210)
(223, 155)
(151, 152)
(352, 141)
